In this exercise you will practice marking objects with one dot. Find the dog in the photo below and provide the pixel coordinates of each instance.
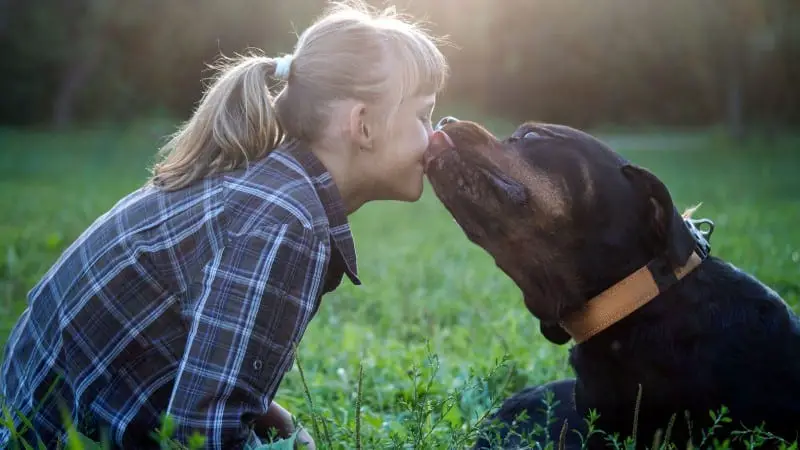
(665, 334)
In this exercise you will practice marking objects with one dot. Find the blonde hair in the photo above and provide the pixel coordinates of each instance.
(352, 52)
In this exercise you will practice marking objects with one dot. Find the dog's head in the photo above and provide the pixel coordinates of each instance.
(563, 215)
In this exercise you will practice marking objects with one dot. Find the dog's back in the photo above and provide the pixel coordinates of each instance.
(719, 338)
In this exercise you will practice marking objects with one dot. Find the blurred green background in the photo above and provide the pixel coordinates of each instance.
(703, 92)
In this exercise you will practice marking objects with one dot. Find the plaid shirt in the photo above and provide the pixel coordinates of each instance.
(185, 302)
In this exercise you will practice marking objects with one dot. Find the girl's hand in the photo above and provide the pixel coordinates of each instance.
(304, 440)
(278, 418)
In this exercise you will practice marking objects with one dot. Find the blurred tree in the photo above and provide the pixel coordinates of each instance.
(627, 62)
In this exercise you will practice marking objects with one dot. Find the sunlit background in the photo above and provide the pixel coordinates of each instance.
(587, 63)
(705, 93)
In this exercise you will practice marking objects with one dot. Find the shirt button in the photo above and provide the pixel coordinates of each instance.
(257, 364)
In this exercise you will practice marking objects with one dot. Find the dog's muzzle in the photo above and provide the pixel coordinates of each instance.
(444, 121)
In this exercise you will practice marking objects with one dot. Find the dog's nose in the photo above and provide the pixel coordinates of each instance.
(444, 121)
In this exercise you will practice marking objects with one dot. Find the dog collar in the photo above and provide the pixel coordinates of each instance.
(636, 290)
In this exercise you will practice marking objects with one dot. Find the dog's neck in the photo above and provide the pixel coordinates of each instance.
(636, 289)
(625, 297)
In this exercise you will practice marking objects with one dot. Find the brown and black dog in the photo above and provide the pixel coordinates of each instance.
(603, 257)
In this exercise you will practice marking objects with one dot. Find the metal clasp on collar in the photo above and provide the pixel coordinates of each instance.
(701, 237)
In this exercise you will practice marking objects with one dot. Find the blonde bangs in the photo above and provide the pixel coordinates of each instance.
(424, 68)
(421, 66)
(416, 67)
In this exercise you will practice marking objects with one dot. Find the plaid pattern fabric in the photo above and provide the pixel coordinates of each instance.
(184, 302)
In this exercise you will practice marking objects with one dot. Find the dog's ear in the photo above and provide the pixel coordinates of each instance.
(672, 238)
(554, 333)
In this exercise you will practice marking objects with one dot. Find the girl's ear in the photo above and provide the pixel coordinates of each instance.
(360, 131)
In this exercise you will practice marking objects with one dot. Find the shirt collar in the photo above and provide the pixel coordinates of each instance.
(332, 202)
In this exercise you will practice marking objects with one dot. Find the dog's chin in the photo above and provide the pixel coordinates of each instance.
(549, 307)
(553, 332)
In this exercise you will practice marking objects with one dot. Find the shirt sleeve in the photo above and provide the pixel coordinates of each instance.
(253, 304)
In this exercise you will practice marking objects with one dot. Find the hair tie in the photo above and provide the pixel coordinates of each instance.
(283, 66)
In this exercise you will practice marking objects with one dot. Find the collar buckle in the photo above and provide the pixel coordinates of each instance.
(701, 237)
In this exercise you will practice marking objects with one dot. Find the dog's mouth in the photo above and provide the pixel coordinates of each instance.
(465, 162)
(469, 175)
(440, 142)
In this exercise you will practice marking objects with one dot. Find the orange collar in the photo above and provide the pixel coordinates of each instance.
(620, 300)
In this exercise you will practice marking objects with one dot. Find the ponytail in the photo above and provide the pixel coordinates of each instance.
(351, 52)
(234, 124)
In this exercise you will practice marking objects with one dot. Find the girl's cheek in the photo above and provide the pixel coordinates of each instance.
(428, 132)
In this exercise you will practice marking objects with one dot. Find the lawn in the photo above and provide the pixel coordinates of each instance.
(434, 315)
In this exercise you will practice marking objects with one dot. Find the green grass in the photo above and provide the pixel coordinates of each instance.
(430, 298)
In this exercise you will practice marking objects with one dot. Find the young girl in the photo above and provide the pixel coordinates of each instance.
(189, 295)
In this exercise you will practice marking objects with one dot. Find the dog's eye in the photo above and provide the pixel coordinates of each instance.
(531, 135)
